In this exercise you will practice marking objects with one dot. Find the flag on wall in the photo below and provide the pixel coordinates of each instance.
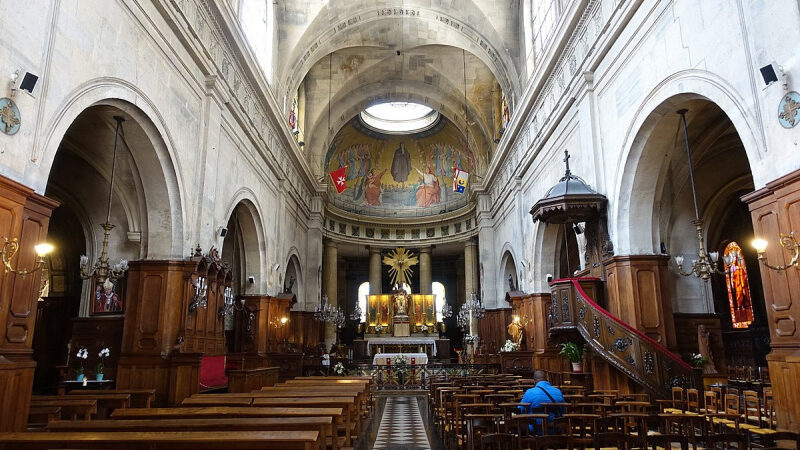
(460, 178)
(339, 177)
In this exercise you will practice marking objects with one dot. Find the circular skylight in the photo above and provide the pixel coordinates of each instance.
(399, 117)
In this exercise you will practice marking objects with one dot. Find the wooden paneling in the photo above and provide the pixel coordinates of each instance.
(636, 293)
(304, 331)
(492, 329)
(95, 333)
(686, 336)
(775, 209)
(24, 215)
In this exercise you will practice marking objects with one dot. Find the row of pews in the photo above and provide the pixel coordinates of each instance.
(309, 413)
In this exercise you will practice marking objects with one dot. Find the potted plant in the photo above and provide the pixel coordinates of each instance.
(82, 355)
(574, 354)
(697, 360)
(102, 364)
(339, 369)
(510, 346)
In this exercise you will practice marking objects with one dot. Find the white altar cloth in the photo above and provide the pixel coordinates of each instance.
(418, 358)
(402, 341)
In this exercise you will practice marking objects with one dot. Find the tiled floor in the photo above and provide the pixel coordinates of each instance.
(401, 426)
(400, 422)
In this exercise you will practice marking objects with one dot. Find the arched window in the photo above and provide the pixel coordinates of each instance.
(256, 19)
(738, 286)
(438, 290)
(363, 292)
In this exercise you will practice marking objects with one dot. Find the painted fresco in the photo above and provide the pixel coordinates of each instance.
(406, 171)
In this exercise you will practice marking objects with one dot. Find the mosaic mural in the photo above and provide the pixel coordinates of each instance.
(405, 171)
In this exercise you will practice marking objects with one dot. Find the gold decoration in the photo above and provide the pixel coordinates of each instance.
(400, 261)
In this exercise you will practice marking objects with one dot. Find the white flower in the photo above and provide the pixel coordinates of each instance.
(83, 353)
(104, 353)
(424, 328)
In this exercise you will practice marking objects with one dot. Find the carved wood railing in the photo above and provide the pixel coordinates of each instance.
(638, 356)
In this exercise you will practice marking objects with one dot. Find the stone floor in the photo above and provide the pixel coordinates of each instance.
(400, 422)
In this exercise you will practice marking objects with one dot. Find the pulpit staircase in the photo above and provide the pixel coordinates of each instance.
(642, 359)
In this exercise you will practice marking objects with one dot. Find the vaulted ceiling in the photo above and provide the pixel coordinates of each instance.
(347, 55)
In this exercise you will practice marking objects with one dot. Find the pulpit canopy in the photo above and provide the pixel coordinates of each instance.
(571, 200)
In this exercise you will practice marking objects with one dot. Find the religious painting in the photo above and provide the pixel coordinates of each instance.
(738, 286)
(107, 298)
(293, 115)
(400, 172)
(505, 113)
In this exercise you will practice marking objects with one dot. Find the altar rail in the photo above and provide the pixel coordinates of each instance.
(407, 376)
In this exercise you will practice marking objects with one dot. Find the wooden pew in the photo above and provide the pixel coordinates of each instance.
(209, 400)
(73, 407)
(161, 440)
(222, 412)
(140, 398)
(322, 424)
(346, 403)
(39, 416)
(104, 401)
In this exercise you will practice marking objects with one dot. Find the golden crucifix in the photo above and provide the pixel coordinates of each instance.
(400, 261)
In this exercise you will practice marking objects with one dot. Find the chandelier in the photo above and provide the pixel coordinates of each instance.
(356, 314)
(200, 299)
(325, 312)
(447, 311)
(706, 263)
(471, 309)
(101, 270)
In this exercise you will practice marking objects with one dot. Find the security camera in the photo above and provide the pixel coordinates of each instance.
(549, 277)
(276, 267)
(251, 279)
(578, 228)
(223, 232)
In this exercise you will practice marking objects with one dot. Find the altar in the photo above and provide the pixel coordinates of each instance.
(387, 359)
(425, 345)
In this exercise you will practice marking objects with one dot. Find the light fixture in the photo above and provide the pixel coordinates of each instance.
(200, 298)
(706, 263)
(357, 312)
(447, 311)
(325, 312)
(101, 270)
(10, 249)
(788, 242)
(471, 309)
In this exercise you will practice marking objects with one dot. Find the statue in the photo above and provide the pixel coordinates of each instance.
(704, 348)
(516, 331)
(511, 286)
(400, 303)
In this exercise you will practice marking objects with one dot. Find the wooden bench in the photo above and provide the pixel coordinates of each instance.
(74, 408)
(140, 398)
(208, 400)
(166, 440)
(106, 402)
(347, 404)
(322, 424)
(39, 416)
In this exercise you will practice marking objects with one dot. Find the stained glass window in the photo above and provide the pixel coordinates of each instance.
(738, 286)
(363, 292)
(438, 290)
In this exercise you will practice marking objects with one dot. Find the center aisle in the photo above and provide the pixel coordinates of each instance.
(402, 426)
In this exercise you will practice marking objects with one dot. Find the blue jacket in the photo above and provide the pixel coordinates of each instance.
(536, 396)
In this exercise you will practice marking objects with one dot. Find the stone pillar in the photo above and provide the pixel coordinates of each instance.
(375, 270)
(330, 272)
(25, 215)
(775, 210)
(425, 278)
(471, 277)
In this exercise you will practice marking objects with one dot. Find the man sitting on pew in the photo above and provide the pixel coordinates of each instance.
(542, 392)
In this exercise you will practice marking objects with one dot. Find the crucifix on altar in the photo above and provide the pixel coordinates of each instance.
(401, 313)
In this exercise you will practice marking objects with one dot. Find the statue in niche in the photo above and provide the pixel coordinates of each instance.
(511, 286)
(401, 164)
(516, 331)
(288, 288)
(704, 348)
(400, 302)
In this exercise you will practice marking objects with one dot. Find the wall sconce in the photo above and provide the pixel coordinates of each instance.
(10, 249)
(788, 242)
(280, 322)
(200, 299)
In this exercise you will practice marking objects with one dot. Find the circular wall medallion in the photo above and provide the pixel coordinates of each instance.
(9, 116)
(789, 110)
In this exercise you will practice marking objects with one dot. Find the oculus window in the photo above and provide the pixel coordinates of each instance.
(399, 117)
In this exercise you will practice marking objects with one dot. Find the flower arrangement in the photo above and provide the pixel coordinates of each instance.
(81, 355)
(424, 329)
(104, 353)
(697, 360)
(378, 328)
(510, 346)
(339, 369)
(470, 338)
(401, 360)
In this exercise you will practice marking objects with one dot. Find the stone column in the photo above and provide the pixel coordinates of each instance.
(374, 270)
(425, 270)
(329, 275)
(471, 276)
